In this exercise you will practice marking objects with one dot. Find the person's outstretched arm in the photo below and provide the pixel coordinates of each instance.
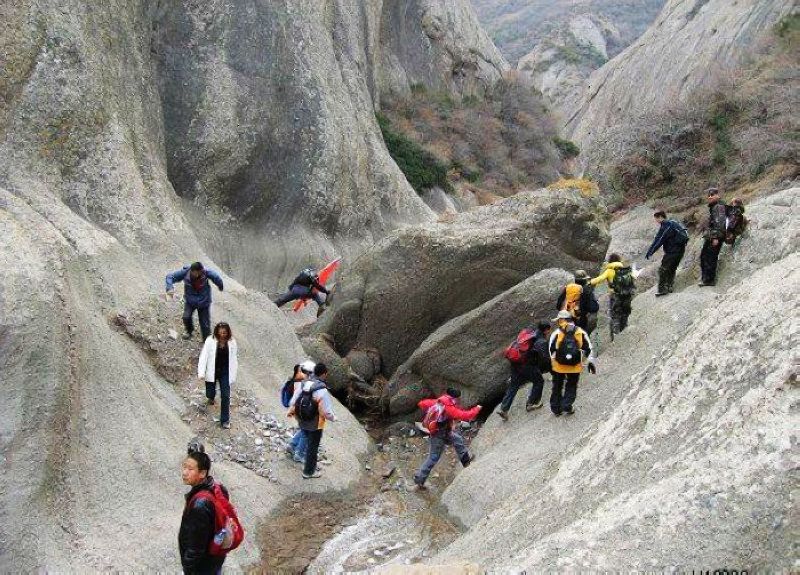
(658, 241)
(177, 276)
(216, 278)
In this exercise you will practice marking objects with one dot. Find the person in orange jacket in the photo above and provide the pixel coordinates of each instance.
(570, 349)
(446, 432)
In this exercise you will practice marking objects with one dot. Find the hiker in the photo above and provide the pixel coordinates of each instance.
(442, 416)
(219, 363)
(529, 359)
(579, 299)
(735, 221)
(569, 349)
(305, 285)
(715, 235)
(296, 449)
(672, 237)
(313, 406)
(196, 295)
(201, 545)
(621, 287)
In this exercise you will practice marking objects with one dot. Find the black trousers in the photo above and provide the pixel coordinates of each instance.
(312, 452)
(203, 316)
(520, 375)
(709, 258)
(619, 310)
(565, 390)
(668, 269)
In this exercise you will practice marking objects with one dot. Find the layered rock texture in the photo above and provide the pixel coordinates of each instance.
(683, 449)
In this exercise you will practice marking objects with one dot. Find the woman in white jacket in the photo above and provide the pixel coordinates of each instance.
(219, 363)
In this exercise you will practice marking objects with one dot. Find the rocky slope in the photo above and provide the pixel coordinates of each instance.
(686, 435)
(692, 46)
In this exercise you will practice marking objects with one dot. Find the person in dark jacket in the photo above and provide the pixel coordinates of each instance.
(535, 362)
(672, 237)
(715, 235)
(197, 524)
(305, 285)
(196, 295)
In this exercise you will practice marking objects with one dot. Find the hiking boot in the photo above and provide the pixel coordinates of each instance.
(226, 425)
(569, 411)
(532, 406)
(467, 459)
(557, 413)
(317, 474)
(209, 401)
(503, 414)
(420, 486)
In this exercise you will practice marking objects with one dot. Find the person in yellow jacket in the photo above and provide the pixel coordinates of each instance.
(621, 288)
(569, 349)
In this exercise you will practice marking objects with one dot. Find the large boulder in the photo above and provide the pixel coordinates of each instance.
(467, 351)
(397, 294)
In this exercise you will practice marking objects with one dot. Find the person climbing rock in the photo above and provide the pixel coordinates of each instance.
(199, 515)
(569, 349)
(621, 287)
(442, 416)
(219, 364)
(312, 405)
(672, 237)
(735, 221)
(296, 448)
(529, 359)
(305, 285)
(196, 295)
(715, 235)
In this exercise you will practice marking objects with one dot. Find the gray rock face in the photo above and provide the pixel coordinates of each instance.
(691, 46)
(420, 277)
(467, 351)
(689, 422)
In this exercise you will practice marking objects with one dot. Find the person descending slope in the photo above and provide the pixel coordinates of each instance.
(621, 287)
(529, 359)
(672, 237)
(313, 407)
(305, 285)
(441, 421)
(296, 448)
(715, 235)
(196, 295)
(219, 362)
(569, 349)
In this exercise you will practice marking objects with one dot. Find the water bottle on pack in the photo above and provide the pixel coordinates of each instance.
(219, 538)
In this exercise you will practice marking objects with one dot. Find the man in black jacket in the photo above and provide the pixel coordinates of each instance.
(535, 361)
(305, 285)
(715, 235)
(197, 524)
(672, 237)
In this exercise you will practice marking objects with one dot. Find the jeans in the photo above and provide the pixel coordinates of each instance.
(203, 315)
(438, 442)
(520, 375)
(225, 393)
(709, 258)
(299, 445)
(300, 292)
(313, 439)
(619, 310)
(564, 394)
(667, 270)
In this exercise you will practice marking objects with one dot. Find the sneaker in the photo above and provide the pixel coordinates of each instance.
(707, 284)
(661, 293)
(317, 474)
(532, 406)
(187, 336)
(503, 414)
(226, 425)
(569, 411)
(298, 459)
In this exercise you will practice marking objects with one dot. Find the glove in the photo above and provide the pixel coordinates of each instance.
(592, 368)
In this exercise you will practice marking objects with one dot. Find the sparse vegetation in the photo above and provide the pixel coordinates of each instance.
(568, 148)
(585, 186)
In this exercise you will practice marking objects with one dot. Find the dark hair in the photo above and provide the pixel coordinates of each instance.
(614, 258)
(660, 214)
(320, 369)
(543, 326)
(222, 325)
(453, 392)
(711, 192)
(196, 266)
(197, 452)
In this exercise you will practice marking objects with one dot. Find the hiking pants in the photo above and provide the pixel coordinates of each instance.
(619, 310)
(203, 316)
(225, 395)
(520, 375)
(300, 292)
(709, 258)
(438, 442)
(299, 445)
(666, 273)
(565, 390)
(313, 439)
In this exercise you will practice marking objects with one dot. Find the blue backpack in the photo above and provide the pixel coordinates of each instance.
(287, 391)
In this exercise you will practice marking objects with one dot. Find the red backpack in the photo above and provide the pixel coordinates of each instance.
(228, 530)
(434, 417)
(515, 353)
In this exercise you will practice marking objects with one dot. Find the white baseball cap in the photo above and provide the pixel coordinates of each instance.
(307, 366)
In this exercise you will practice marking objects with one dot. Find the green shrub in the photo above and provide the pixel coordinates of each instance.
(567, 148)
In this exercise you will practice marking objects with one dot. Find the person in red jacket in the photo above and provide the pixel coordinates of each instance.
(446, 432)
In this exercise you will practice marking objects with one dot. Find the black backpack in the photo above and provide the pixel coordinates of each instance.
(589, 303)
(624, 284)
(306, 407)
(568, 351)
